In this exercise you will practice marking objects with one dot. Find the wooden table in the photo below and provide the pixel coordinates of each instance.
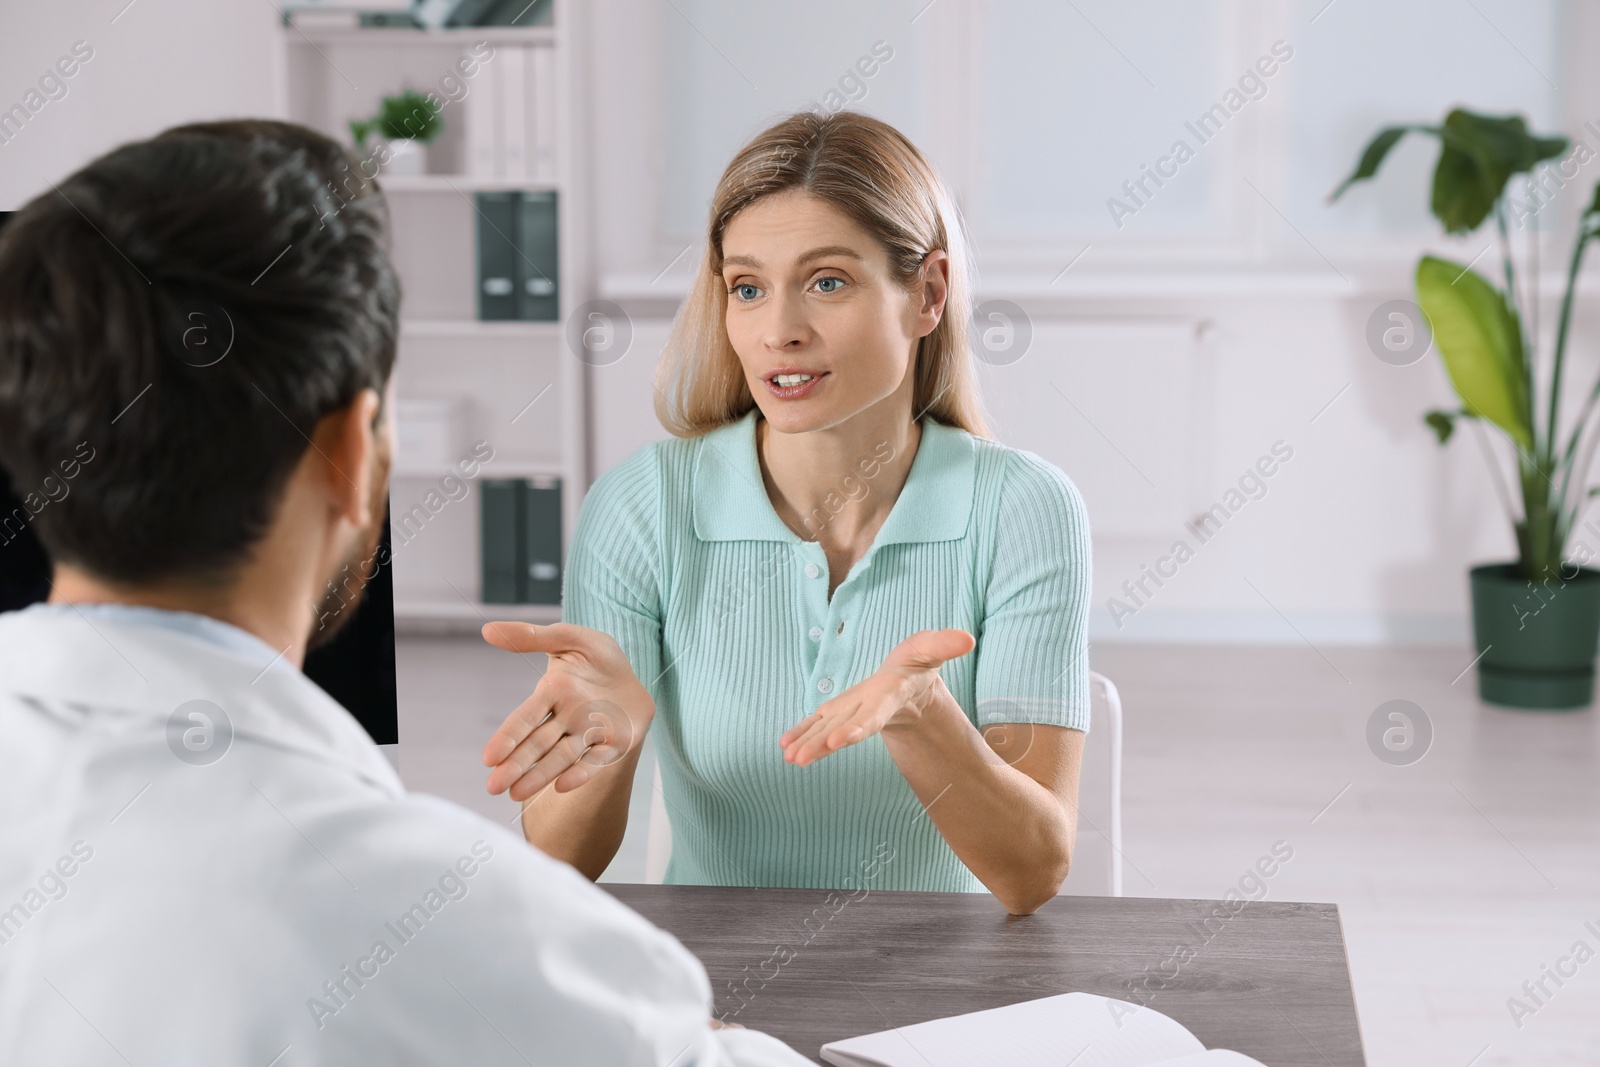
(1270, 980)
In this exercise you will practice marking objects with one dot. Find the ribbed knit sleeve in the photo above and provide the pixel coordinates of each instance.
(1033, 653)
(613, 576)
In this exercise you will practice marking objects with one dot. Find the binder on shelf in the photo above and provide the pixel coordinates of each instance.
(513, 63)
(389, 20)
(480, 118)
(518, 256)
(517, 13)
(520, 537)
(431, 14)
(538, 298)
(499, 256)
(308, 18)
(510, 118)
(541, 530)
(468, 12)
(500, 540)
(542, 83)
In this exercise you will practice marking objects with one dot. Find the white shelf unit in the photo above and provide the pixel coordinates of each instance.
(476, 328)
(514, 384)
(390, 37)
(459, 183)
(460, 614)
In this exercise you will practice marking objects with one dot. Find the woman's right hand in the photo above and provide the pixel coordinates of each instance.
(586, 713)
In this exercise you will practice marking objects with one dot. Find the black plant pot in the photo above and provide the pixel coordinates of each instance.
(1537, 642)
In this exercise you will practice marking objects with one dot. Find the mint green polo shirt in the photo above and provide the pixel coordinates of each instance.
(724, 613)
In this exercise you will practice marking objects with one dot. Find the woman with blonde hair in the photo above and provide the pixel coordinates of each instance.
(856, 624)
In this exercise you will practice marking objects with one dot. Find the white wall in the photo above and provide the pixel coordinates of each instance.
(159, 63)
(1364, 535)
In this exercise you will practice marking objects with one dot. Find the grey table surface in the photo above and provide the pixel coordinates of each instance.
(1270, 980)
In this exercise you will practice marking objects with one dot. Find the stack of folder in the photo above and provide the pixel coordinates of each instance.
(520, 527)
(518, 269)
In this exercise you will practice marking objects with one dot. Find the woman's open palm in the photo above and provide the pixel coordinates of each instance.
(587, 712)
(896, 694)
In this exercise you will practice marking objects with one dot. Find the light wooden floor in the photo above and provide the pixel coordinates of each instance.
(1459, 877)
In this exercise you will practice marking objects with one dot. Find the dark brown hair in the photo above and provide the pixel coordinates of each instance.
(175, 319)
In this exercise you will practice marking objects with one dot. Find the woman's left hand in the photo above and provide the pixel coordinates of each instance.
(896, 695)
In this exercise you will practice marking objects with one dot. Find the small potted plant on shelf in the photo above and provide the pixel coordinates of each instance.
(1536, 621)
(406, 121)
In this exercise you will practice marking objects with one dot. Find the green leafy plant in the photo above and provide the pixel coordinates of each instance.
(405, 114)
(1479, 329)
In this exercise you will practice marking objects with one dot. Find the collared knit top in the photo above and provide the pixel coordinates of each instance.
(725, 615)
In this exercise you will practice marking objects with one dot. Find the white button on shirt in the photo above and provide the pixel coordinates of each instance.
(824, 685)
(163, 901)
(812, 570)
(816, 633)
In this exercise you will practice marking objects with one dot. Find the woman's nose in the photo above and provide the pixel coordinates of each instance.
(787, 326)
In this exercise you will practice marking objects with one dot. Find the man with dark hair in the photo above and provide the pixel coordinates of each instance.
(204, 858)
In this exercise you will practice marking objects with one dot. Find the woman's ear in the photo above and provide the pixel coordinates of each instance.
(933, 289)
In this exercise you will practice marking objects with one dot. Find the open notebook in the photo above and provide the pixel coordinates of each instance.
(1082, 1029)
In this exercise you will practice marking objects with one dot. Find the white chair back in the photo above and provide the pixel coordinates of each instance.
(658, 842)
(1097, 857)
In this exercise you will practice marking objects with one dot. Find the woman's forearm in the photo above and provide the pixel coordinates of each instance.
(1009, 830)
(584, 827)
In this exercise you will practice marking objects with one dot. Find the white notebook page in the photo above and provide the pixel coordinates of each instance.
(1080, 1029)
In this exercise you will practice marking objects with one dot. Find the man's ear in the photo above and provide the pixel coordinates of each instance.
(342, 447)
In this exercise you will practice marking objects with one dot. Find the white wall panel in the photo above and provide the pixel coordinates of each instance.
(623, 395)
(155, 65)
(1119, 407)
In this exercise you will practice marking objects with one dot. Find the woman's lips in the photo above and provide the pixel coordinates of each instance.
(795, 392)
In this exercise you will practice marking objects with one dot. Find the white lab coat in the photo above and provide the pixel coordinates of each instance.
(289, 903)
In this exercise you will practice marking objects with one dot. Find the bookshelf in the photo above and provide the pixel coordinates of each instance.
(470, 183)
(389, 37)
(511, 384)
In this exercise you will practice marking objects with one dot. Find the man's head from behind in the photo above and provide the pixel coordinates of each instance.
(201, 329)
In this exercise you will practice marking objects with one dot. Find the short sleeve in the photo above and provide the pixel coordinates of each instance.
(612, 581)
(1033, 649)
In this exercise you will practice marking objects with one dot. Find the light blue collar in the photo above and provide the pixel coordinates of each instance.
(203, 627)
(731, 502)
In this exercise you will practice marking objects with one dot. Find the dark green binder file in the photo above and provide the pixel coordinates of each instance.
(538, 294)
(500, 537)
(521, 540)
(541, 530)
(499, 259)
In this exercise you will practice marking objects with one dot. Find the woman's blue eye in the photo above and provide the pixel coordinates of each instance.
(746, 292)
(824, 281)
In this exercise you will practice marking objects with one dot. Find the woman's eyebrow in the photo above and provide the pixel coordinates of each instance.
(816, 253)
(827, 251)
